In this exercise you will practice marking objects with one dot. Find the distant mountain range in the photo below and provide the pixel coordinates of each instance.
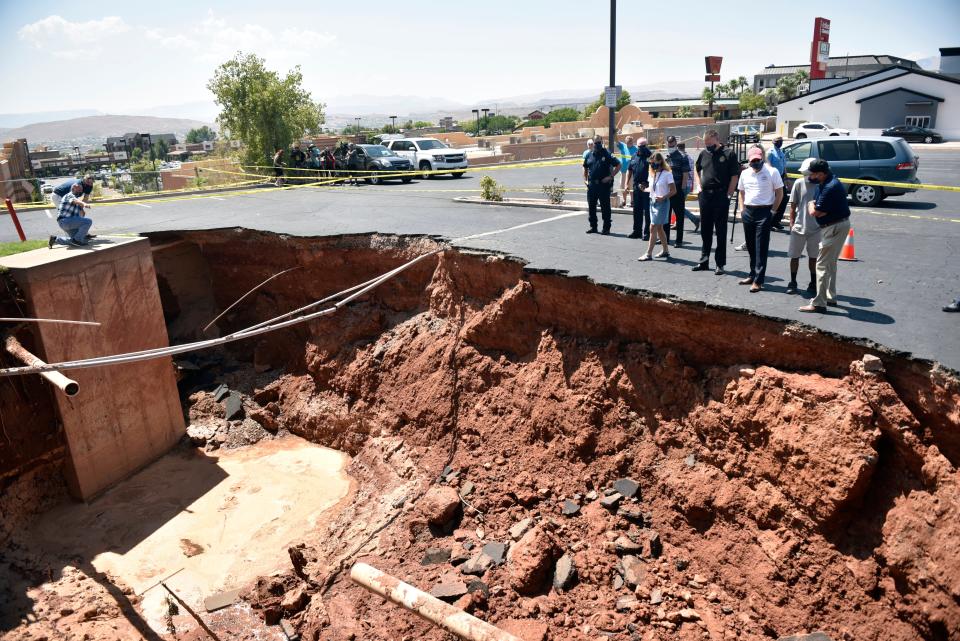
(93, 130)
(88, 127)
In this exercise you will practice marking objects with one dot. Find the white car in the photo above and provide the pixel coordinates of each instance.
(818, 130)
(429, 154)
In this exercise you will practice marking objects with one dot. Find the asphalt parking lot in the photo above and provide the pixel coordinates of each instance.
(907, 247)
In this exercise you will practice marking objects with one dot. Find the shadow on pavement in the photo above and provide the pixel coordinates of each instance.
(905, 204)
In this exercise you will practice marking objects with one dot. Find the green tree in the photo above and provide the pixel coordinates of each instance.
(751, 102)
(707, 96)
(159, 150)
(491, 124)
(262, 109)
(563, 114)
(742, 84)
(420, 124)
(201, 134)
(684, 112)
(622, 102)
(786, 88)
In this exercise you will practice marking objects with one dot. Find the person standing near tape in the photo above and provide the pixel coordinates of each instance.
(832, 212)
(278, 167)
(719, 171)
(66, 187)
(599, 169)
(688, 187)
(681, 172)
(627, 149)
(778, 161)
(638, 179)
(761, 191)
(662, 189)
(804, 231)
(71, 219)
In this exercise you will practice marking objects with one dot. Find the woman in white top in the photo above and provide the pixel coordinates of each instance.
(662, 187)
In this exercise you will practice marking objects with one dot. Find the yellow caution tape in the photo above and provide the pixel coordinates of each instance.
(886, 183)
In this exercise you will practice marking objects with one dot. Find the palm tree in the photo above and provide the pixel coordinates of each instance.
(708, 96)
(721, 90)
(742, 84)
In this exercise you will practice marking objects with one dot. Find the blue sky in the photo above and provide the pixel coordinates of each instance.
(137, 55)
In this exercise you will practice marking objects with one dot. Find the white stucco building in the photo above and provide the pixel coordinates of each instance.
(894, 96)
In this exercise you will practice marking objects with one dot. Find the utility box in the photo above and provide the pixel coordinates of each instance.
(125, 416)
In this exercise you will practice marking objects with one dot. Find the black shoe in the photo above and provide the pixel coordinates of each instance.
(678, 244)
(952, 307)
(77, 243)
(792, 287)
(719, 271)
(745, 281)
(51, 242)
(645, 237)
(592, 230)
(635, 235)
(777, 226)
(696, 227)
(701, 267)
(91, 236)
(606, 231)
(812, 288)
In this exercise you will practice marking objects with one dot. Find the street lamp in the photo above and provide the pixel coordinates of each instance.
(358, 128)
(79, 162)
(394, 119)
(477, 112)
(153, 156)
(613, 80)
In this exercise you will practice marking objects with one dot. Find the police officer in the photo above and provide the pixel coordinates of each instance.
(719, 173)
(638, 177)
(681, 172)
(599, 168)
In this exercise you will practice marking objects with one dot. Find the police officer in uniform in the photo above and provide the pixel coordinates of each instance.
(681, 171)
(719, 173)
(599, 168)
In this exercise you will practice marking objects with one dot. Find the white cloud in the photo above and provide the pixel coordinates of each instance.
(72, 40)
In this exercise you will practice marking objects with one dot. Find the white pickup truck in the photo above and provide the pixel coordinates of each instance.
(429, 154)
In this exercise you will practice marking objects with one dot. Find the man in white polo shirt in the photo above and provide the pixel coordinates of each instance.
(761, 190)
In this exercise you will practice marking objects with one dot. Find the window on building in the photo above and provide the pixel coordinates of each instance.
(876, 150)
(918, 121)
(837, 150)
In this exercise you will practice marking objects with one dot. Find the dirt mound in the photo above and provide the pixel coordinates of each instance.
(783, 486)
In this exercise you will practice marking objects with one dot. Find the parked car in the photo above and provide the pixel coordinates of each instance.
(751, 133)
(430, 154)
(863, 157)
(913, 134)
(47, 188)
(379, 158)
(817, 130)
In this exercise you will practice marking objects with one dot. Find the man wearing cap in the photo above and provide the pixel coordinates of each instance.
(804, 231)
(681, 172)
(778, 161)
(70, 217)
(65, 188)
(638, 177)
(832, 212)
(718, 170)
(761, 191)
(599, 168)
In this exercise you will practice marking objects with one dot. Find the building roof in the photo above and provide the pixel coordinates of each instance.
(895, 89)
(686, 102)
(857, 83)
(835, 62)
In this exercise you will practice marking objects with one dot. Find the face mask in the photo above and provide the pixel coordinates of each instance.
(813, 180)
(712, 147)
(778, 144)
(672, 148)
(756, 164)
(655, 165)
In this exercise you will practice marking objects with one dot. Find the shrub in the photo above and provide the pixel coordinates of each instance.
(560, 152)
(490, 189)
(555, 192)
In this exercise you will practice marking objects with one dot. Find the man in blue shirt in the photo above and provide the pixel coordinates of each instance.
(776, 159)
(638, 176)
(599, 168)
(64, 188)
(71, 219)
(833, 216)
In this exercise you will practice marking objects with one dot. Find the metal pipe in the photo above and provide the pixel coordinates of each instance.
(432, 609)
(48, 320)
(67, 385)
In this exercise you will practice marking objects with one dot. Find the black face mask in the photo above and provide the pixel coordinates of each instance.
(778, 144)
(655, 165)
(814, 180)
(712, 147)
(756, 164)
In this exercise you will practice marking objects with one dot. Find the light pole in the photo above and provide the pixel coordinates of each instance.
(613, 80)
(394, 119)
(477, 113)
(79, 163)
(358, 128)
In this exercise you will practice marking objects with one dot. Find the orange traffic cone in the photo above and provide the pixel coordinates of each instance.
(673, 218)
(848, 251)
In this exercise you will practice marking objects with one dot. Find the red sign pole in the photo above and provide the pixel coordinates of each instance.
(16, 221)
(820, 48)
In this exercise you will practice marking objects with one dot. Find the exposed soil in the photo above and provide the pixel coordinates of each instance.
(784, 485)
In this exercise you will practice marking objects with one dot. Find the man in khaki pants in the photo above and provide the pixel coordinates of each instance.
(833, 216)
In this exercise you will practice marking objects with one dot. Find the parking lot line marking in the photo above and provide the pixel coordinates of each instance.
(141, 205)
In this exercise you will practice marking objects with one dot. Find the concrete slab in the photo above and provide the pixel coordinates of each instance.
(125, 416)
